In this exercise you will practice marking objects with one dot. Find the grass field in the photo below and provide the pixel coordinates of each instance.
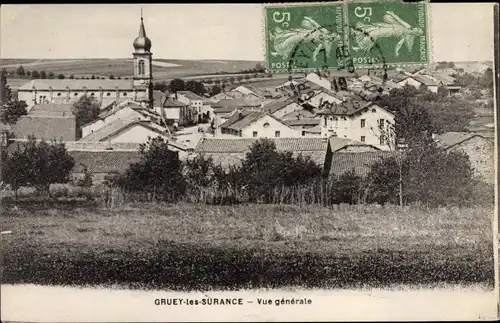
(124, 67)
(195, 247)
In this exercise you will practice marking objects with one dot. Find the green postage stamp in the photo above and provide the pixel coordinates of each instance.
(306, 36)
(337, 35)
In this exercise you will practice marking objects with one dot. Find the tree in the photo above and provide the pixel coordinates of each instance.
(51, 75)
(15, 166)
(195, 87)
(487, 80)
(158, 172)
(61, 77)
(12, 110)
(86, 110)
(28, 73)
(20, 71)
(425, 177)
(160, 86)
(451, 65)
(412, 120)
(264, 169)
(4, 88)
(111, 77)
(177, 85)
(71, 77)
(38, 164)
(216, 89)
(92, 77)
(35, 74)
(43, 75)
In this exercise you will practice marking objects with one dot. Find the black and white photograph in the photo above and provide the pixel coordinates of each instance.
(328, 161)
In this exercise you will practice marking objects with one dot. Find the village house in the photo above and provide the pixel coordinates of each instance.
(359, 120)
(231, 152)
(304, 124)
(479, 149)
(281, 107)
(254, 124)
(315, 101)
(126, 130)
(47, 121)
(127, 110)
(344, 155)
(224, 108)
(176, 112)
(101, 164)
(200, 106)
(418, 80)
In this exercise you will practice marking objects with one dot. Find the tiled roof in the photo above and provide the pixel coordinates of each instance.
(51, 110)
(101, 145)
(236, 103)
(302, 122)
(346, 108)
(228, 152)
(336, 143)
(103, 161)
(190, 95)
(119, 125)
(173, 103)
(360, 162)
(134, 106)
(240, 120)
(301, 113)
(450, 139)
(277, 105)
(47, 128)
(242, 145)
(61, 85)
(425, 80)
(315, 129)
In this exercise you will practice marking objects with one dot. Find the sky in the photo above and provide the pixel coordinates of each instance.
(460, 31)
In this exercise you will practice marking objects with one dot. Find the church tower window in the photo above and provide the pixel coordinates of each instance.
(141, 67)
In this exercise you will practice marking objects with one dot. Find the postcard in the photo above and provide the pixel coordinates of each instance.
(309, 161)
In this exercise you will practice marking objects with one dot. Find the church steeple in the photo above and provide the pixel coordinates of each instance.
(143, 67)
(142, 42)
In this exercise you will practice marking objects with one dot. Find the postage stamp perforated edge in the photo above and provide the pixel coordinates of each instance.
(264, 29)
(344, 3)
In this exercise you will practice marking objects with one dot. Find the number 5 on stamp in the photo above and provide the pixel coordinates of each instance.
(301, 37)
(396, 31)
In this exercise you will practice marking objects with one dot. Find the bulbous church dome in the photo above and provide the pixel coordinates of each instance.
(142, 42)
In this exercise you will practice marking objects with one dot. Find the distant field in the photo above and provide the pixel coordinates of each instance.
(124, 67)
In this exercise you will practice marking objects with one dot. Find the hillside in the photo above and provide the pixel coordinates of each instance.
(164, 69)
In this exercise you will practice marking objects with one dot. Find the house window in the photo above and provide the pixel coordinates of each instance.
(363, 138)
(76, 94)
(381, 123)
(303, 133)
(108, 94)
(255, 134)
(124, 93)
(92, 94)
(374, 110)
(325, 121)
(277, 134)
(58, 94)
(363, 124)
(141, 67)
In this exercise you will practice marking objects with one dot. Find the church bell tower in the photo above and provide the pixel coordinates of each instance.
(143, 72)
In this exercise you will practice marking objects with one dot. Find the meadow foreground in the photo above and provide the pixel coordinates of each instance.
(198, 247)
